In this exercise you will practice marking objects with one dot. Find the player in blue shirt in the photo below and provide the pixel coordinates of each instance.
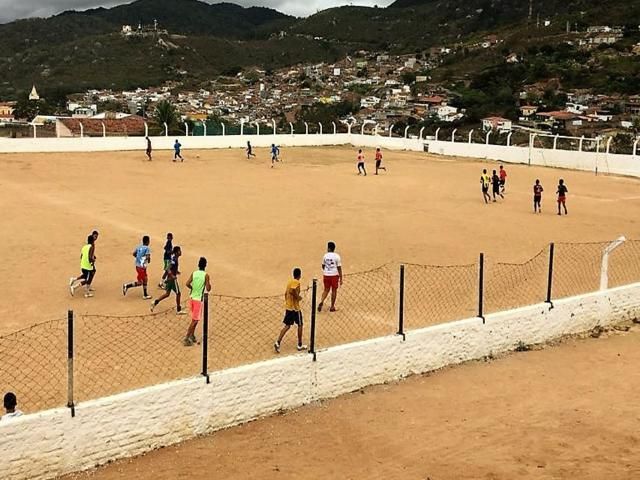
(275, 153)
(142, 254)
(176, 148)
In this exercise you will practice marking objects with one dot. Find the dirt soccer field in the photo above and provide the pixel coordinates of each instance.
(568, 412)
(255, 224)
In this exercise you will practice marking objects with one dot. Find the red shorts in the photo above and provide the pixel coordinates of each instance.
(142, 275)
(331, 283)
(196, 309)
(562, 199)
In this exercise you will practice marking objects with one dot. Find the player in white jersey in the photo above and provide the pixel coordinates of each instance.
(332, 276)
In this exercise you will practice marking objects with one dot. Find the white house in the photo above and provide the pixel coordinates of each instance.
(498, 124)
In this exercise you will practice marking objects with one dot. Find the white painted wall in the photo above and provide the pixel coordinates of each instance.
(606, 163)
(51, 443)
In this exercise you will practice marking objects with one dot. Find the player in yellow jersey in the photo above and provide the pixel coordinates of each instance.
(87, 259)
(293, 314)
(485, 181)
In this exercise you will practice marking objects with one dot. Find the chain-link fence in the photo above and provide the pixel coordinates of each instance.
(33, 365)
(365, 308)
(514, 285)
(624, 264)
(434, 294)
(576, 268)
(116, 354)
(63, 362)
(244, 330)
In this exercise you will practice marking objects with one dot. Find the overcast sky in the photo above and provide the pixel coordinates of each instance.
(12, 9)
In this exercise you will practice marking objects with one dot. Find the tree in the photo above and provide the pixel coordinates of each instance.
(166, 113)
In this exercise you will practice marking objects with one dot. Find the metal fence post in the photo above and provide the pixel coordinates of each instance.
(550, 278)
(401, 305)
(205, 338)
(312, 339)
(481, 289)
(70, 402)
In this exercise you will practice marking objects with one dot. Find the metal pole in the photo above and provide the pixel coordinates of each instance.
(401, 304)
(70, 402)
(312, 340)
(550, 279)
(481, 289)
(205, 338)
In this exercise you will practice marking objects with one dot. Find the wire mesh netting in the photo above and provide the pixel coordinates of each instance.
(116, 354)
(514, 285)
(576, 268)
(366, 306)
(439, 294)
(243, 330)
(624, 264)
(33, 365)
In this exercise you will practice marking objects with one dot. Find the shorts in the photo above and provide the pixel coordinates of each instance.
(196, 309)
(503, 181)
(378, 163)
(537, 198)
(485, 189)
(562, 199)
(496, 189)
(171, 285)
(360, 164)
(87, 276)
(292, 317)
(141, 275)
(331, 282)
(148, 151)
(167, 263)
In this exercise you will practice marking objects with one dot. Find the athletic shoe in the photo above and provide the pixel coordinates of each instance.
(187, 342)
(152, 307)
(124, 289)
(147, 297)
(276, 347)
(181, 312)
(302, 347)
(88, 295)
(333, 309)
(71, 280)
(320, 307)
(72, 290)
(193, 339)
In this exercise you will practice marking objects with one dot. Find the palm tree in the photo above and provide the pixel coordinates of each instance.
(165, 113)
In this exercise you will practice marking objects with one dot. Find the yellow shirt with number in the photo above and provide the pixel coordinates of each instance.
(291, 299)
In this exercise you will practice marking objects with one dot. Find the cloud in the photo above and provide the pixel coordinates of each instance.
(12, 9)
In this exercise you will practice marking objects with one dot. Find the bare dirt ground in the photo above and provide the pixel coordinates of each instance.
(254, 223)
(568, 412)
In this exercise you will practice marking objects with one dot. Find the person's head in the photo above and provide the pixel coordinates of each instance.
(10, 402)
(202, 263)
(360, 150)
(177, 251)
(273, 145)
(484, 171)
(297, 273)
(248, 143)
(494, 172)
(537, 182)
(331, 247)
(147, 138)
(169, 236)
(95, 234)
(146, 240)
(561, 181)
(177, 141)
(90, 240)
(501, 167)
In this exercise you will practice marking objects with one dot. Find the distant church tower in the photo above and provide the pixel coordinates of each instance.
(34, 94)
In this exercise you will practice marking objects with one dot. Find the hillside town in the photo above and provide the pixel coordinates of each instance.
(382, 89)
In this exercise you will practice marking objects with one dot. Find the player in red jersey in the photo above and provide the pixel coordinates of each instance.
(503, 178)
(562, 197)
(379, 161)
